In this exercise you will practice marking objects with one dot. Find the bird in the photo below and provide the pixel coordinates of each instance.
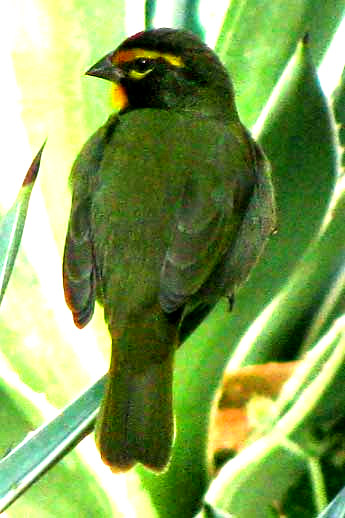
(172, 205)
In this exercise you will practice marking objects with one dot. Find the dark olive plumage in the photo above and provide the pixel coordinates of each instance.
(172, 205)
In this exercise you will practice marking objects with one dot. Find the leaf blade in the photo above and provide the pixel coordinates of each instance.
(12, 224)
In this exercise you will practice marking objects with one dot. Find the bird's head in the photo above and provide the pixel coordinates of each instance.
(168, 69)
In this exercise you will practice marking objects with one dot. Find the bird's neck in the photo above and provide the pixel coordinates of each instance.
(210, 105)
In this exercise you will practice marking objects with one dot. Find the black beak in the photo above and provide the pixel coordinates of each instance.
(105, 69)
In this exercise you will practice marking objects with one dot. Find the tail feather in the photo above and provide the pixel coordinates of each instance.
(136, 418)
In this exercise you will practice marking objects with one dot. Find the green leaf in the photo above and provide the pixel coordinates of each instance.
(29, 460)
(258, 39)
(69, 488)
(254, 480)
(304, 397)
(250, 484)
(12, 225)
(298, 119)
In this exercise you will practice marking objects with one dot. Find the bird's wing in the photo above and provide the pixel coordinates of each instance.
(207, 218)
(258, 223)
(79, 266)
(79, 280)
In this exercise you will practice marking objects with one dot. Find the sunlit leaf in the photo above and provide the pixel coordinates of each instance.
(258, 39)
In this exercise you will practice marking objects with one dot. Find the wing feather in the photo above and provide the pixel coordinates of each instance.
(79, 265)
(223, 221)
(205, 225)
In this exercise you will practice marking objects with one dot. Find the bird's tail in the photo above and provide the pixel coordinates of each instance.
(136, 423)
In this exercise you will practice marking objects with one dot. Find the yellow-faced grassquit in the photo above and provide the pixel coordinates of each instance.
(172, 205)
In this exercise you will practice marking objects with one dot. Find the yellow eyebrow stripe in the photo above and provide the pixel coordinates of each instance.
(126, 56)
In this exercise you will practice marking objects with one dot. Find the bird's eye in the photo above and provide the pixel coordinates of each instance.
(141, 67)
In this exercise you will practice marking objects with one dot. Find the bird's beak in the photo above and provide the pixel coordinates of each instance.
(105, 69)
